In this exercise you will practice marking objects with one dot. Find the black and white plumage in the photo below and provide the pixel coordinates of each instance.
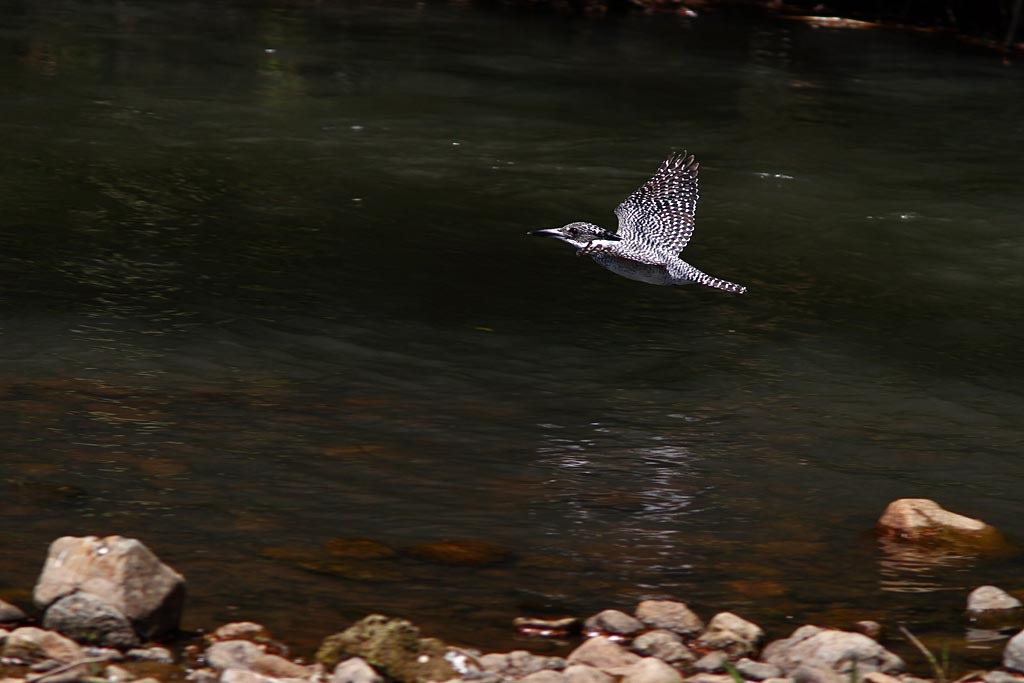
(655, 224)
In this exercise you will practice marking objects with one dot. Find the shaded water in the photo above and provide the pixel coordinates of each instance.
(266, 284)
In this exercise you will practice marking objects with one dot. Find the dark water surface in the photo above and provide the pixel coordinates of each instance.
(266, 284)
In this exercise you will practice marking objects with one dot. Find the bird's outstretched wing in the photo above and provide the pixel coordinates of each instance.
(661, 211)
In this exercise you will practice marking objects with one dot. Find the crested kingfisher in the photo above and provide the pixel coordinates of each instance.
(655, 224)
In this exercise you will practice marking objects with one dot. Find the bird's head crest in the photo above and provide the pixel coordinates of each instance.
(577, 234)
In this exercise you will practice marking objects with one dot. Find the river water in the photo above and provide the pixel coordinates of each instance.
(267, 285)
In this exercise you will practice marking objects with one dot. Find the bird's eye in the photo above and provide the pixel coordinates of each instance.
(574, 232)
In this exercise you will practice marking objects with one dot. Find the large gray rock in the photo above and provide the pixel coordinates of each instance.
(839, 651)
(602, 653)
(31, 644)
(88, 619)
(121, 572)
(615, 622)
(665, 645)
(984, 598)
(731, 633)
(670, 615)
(1013, 654)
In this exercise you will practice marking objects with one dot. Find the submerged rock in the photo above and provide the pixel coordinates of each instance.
(121, 572)
(393, 646)
(669, 615)
(88, 619)
(985, 598)
(469, 553)
(918, 519)
(359, 549)
(994, 609)
(838, 651)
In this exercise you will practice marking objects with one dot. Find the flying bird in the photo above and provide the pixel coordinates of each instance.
(655, 224)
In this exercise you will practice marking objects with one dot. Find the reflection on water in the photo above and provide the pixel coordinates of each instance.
(267, 291)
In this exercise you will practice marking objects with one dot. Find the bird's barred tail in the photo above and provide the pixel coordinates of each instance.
(705, 279)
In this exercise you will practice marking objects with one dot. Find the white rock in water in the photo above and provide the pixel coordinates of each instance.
(920, 517)
(985, 598)
(1013, 654)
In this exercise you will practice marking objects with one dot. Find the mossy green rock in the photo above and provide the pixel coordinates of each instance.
(391, 645)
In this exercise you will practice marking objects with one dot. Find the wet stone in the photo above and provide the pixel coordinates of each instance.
(32, 644)
(545, 676)
(239, 630)
(355, 670)
(584, 673)
(990, 597)
(664, 645)
(519, 663)
(117, 674)
(836, 651)
(87, 618)
(872, 629)
(712, 662)
(651, 670)
(233, 654)
(731, 633)
(669, 615)
(614, 622)
(602, 653)
(151, 654)
(10, 613)
(1013, 654)
(756, 671)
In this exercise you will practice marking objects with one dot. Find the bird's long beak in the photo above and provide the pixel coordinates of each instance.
(546, 232)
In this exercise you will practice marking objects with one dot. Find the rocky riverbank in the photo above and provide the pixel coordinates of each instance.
(108, 607)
